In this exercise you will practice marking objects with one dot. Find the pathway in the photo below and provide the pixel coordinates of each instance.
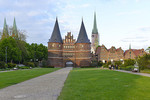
(45, 87)
(143, 74)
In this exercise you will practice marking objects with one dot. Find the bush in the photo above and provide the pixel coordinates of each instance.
(94, 63)
(129, 62)
(44, 63)
(23, 67)
(128, 68)
(100, 63)
(87, 66)
(11, 65)
(105, 65)
(36, 64)
(31, 64)
(47, 66)
(3, 65)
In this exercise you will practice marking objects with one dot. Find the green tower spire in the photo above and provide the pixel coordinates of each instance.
(95, 30)
(130, 46)
(5, 29)
(14, 31)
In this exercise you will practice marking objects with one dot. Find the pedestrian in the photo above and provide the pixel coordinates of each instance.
(110, 67)
(113, 67)
(117, 67)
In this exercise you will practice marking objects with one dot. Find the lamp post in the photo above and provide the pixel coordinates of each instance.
(6, 54)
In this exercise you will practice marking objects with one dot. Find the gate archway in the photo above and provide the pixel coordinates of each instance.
(69, 64)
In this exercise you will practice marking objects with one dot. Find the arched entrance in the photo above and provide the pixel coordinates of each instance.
(69, 64)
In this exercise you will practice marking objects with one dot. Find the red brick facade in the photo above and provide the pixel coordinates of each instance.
(69, 51)
(114, 54)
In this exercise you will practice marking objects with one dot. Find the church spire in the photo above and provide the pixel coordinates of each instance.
(14, 31)
(95, 30)
(56, 37)
(5, 29)
(82, 37)
(130, 46)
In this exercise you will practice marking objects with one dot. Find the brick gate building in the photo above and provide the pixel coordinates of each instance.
(69, 51)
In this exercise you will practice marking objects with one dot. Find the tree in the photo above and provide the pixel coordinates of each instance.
(13, 52)
(129, 62)
(144, 61)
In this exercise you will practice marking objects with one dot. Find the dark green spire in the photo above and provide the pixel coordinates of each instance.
(95, 30)
(130, 46)
(14, 31)
(5, 30)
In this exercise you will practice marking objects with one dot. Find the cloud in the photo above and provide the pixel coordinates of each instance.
(128, 13)
(85, 5)
(144, 29)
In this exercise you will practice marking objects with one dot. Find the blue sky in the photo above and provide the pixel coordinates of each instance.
(120, 22)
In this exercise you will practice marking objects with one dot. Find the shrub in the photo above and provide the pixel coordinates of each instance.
(87, 66)
(31, 64)
(128, 68)
(36, 64)
(11, 65)
(94, 63)
(44, 63)
(100, 63)
(3, 65)
(47, 66)
(129, 62)
(23, 67)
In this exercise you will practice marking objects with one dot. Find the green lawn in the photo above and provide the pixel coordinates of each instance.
(14, 77)
(98, 84)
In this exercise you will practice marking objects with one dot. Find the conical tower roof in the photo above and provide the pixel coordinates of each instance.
(82, 37)
(56, 37)
(14, 31)
(5, 28)
(95, 30)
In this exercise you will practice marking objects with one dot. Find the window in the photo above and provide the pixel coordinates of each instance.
(53, 45)
(130, 52)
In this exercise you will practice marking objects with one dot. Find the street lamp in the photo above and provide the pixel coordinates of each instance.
(6, 55)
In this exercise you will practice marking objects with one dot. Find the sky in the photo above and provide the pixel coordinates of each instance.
(119, 22)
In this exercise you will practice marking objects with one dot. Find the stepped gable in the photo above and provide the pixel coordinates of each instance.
(56, 37)
(82, 37)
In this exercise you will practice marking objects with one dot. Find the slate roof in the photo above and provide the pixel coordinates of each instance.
(82, 37)
(56, 37)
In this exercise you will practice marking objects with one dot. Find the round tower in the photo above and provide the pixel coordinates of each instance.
(55, 45)
(83, 48)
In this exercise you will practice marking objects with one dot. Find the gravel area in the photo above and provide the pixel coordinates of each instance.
(45, 87)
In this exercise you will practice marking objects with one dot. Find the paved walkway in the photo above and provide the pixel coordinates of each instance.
(45, 87)
(143, 74)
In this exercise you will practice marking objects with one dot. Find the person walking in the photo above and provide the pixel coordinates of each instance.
(110, 67)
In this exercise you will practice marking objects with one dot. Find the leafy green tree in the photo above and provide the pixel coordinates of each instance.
(129, 62)
(9, 45)
(144, 61)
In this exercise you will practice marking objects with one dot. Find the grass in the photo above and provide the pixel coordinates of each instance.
(145, 71)
(96, 84)
(14, 77)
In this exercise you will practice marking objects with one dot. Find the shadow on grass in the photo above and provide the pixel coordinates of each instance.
(96, 84)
